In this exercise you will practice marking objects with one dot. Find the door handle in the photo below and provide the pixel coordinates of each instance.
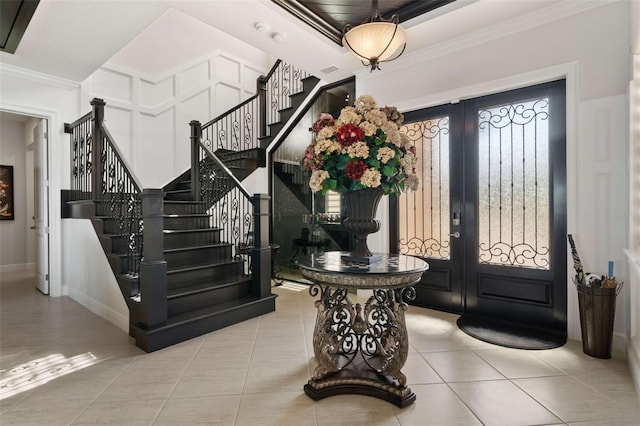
(455, 234)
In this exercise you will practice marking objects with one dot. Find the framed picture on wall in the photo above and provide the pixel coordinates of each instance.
(6, 193)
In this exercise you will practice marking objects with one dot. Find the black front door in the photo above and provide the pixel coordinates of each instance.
(490, 216)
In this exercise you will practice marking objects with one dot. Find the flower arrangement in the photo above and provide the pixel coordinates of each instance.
(362, 148)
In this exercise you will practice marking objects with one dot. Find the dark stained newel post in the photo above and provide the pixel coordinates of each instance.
(97, 138)
(196, 135)
(153, 267)
(261, 254)
(262, 105)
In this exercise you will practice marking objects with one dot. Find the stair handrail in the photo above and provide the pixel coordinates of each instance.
(228, 172)
(245, 125)
(101, 173)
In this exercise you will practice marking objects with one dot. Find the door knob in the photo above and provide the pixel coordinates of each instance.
(455, 234)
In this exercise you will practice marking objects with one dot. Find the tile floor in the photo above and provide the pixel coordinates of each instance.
(61, 365)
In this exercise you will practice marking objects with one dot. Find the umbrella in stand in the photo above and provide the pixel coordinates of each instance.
(577, 264)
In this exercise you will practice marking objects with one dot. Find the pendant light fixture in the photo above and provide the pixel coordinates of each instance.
(375, 40)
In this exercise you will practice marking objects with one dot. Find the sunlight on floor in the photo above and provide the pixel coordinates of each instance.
(40, 371)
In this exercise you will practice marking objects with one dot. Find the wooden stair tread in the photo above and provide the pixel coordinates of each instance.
(197, 247)
(198, 267)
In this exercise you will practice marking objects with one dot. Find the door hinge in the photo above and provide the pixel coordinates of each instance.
(46, 277)
(46, 135)
(46, 229)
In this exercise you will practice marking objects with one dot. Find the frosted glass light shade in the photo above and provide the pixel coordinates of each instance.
(369, 41)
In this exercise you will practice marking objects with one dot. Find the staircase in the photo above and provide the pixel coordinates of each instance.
(181, 254)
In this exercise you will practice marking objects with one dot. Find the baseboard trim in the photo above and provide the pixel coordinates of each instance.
(100, 309)
(18, 267)
(633, 358)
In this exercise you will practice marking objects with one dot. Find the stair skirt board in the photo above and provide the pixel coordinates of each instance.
(194, 326)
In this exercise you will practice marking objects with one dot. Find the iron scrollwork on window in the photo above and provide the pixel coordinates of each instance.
(427, 234)
(513, 185)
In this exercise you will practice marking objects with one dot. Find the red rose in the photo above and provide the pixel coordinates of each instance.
(348, 134)
(355, 169)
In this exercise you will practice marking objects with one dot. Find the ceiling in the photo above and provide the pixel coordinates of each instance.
(330, 17)
(71, 39)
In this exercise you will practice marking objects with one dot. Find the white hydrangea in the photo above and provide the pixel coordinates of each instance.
(358, 149)
(385, 154)
(371, 178)
(317, 177)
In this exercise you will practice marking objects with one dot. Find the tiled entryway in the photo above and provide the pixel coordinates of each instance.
(61, 364)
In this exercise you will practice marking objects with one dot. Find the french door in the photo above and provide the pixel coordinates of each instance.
(490, 215)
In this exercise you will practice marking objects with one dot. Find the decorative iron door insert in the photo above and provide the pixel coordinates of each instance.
(510, 150)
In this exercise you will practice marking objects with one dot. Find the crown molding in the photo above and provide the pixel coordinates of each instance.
(537, 18)
(51, 80)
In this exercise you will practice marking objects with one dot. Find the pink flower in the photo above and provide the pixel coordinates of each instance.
(324, 121)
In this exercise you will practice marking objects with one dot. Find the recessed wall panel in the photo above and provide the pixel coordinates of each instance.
(120, 124)
(227, 70)
(155, 94)
(195, 76)
(250, 78)
(226, 97)
(156, 138)
(111, 85)
(194, 108)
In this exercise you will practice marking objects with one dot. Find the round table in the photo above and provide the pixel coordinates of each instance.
(361, 349)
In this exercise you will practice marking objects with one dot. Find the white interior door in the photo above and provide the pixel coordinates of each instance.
(41, 205)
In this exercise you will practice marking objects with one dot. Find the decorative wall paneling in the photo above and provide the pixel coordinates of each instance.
(149, 115)
(602, 233)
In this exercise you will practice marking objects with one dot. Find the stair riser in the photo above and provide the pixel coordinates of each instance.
(112, 226)
(191, 239)
(119, 245)
(120, 265)
(213, 273)
(183, 208)
(197, 257)
(178, 196)
(155, 341)
(183, 185)
(186, 222)
(211, 297)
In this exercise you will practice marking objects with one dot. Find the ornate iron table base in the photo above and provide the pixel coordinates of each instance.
(360, 349)
(379, 387)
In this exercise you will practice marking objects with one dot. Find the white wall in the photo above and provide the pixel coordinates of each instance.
(149, 115)
(591, 50)
(57, 100)
(13, 250)
(89, 278)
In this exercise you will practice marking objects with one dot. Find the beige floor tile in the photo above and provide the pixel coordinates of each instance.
(141, 384)
(517, 363)
(569, 399)
(571, 360)
(213, 410)
(126, 413)
(257, 370)
(418, 371)
(436, 405)
(213, 382)
(460, 366)
(42, 413)
(500, 402)
(353, 410)
(278, 375)
(276, 408)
